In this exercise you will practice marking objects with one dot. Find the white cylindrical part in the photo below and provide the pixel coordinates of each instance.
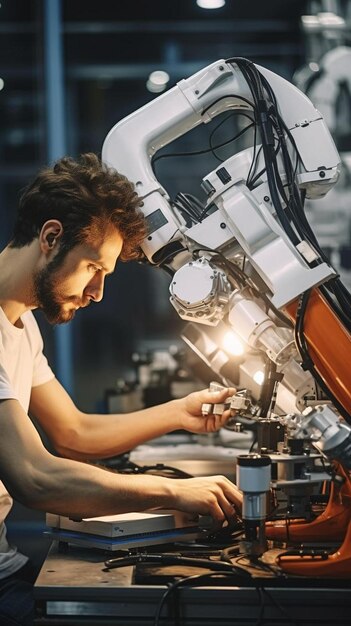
(254, 326)
(253, 479)
(193, 284)
(247, 319)
(253, 476)
(254, 506)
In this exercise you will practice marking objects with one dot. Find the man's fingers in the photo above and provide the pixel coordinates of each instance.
(221, 419)
(221, 511)
(215, 496)
(227, 508)
(218, 516)
(230, 491)
(217, 420)
(227, 497)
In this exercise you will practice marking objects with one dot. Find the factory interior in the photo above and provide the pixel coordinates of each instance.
(232, 120)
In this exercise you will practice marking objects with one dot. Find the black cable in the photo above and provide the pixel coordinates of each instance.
(251, 179)
(295, 201)
(233, 269)
(334, 286)
(290, 173)
(243, 280)
(345, 293)
(205, 211)
(199, 152)
(339, 290)
(239, 134)
(185, 212)
(181, 154)
(202, 579)
(261, 608)
(300, 217)
(235, 97)
(263, 110)
(328, 295)
(133, 468)
(280, 607)
(229, 117)
(195, 201)
(167, 559)
(255, 157)
(197, 578)
(194, 208)
(292, 218)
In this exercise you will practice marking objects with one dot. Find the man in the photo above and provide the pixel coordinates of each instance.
(74, 221)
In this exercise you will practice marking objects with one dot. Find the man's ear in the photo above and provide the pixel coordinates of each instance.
(50, 235)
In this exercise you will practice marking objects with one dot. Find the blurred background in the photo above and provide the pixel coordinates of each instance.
(70, 70)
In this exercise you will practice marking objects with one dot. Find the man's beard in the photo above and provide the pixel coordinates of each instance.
(47, 295)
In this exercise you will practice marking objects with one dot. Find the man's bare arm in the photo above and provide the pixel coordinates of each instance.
(81, 436)
(40, 480)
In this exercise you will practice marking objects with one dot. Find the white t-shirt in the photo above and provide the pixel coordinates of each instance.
(22, 366)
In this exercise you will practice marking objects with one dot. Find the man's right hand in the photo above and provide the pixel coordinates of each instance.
(214, 495)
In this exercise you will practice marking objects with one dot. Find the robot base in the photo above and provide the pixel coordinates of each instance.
(336, 565)
(331, 525)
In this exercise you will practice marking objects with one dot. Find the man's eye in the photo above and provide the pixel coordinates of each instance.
(93, 268)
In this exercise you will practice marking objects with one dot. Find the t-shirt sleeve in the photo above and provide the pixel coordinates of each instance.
(6, 390)
(42, 372)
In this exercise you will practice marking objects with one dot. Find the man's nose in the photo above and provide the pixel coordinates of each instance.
(95, 288)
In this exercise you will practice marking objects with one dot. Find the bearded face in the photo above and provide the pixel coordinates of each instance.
(71, 280)
(51, 295)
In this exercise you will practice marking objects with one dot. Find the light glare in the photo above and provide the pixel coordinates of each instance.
(210, 4)
(233, 344)
(258, 377)
(157, 81)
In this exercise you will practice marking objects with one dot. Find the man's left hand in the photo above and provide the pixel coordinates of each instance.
(191, 415)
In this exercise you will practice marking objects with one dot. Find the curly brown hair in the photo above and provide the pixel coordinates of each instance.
(87, 197)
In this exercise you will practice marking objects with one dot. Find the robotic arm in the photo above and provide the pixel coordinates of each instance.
(248, 259)
(222, 86)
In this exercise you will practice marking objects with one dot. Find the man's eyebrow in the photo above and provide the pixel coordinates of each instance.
(97, 261)
(104, 268)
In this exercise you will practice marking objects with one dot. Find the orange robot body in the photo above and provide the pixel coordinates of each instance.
(329, 345)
